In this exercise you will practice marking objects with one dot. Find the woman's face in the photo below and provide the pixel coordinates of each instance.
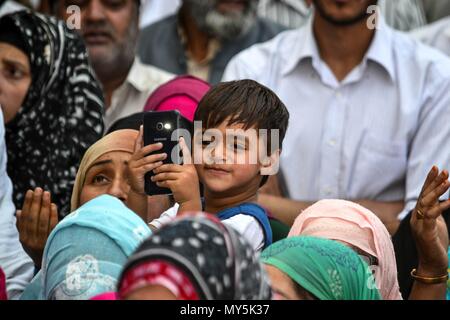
(15, 79)
(284, 288)
(107, 175)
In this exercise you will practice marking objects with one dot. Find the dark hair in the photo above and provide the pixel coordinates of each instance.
(245, 102)
(133, 121)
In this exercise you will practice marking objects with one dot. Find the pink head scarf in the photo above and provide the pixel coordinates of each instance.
(182, 93)
(355, 225)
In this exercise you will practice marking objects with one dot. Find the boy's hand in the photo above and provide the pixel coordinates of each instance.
(182, 180)
(35, 222)
(428, 226)
(140, 163)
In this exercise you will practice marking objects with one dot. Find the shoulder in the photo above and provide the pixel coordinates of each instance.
(422, 59)
(158, 34)
(249, 228)
(154, 74)
(268, 29)
(257, 59)
(160, 26)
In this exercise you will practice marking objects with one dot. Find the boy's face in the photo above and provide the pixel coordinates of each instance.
(230, 164)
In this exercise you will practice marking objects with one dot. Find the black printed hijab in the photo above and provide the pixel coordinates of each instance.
(62, 113)
(219, 262)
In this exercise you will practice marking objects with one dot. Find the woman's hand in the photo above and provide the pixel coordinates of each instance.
(182, 180)
(35, 222)
(429, 228)
(141, 163)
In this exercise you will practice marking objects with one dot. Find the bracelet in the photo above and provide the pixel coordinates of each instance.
(429, 280)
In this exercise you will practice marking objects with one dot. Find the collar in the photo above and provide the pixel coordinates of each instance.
(136, 78)
(380, 50)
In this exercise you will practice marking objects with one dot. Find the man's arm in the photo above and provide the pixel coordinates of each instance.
(287, 210)
(387, 212)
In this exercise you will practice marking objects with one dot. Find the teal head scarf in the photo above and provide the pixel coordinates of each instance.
(325, 268)
(86, 251)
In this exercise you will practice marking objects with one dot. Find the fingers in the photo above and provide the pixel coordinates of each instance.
(165, 184)
(165, 176)
(433, 196)
(438, 180)
(437, 210)
(44, 217)
(20, 224)
(27, 203)
(33, 214)
(145, 151)
(53, 217)
(186, 153)
(138, 143)
(430, 177)
(168, 168)
(151, 159)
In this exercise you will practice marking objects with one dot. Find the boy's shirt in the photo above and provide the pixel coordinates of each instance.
(246, 225)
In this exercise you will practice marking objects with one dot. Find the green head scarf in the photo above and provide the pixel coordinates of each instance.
(325, 268)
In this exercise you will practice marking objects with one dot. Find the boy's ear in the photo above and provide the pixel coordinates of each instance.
(271, 165)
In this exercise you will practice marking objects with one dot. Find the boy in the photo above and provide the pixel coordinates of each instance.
(229, 159)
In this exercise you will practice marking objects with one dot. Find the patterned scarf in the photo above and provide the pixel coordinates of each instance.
(219, 264)
(62, 112)
(325, 268)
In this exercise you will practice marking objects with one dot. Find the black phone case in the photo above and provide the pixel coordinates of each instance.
(159, 127)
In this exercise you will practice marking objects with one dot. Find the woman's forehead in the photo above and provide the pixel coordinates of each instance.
(114, 156)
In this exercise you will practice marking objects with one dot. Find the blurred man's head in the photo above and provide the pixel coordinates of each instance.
(223, 19)
(343, 12)
(109, 28)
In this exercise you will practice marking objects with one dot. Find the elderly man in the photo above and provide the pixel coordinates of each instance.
(204, 36)
(369, 106)
(110, 30)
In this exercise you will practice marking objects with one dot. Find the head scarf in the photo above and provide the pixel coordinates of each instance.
(87, 250)
(325, 268)
(355, 225)
(198, 258)
(61, 115)
(182, 93)
(121, 140)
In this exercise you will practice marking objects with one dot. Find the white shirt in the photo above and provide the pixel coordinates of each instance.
(10, 7)
(376, 134)
(245, 225)
(436, 35)
(155, 10)
(132, 95)
(16, 264)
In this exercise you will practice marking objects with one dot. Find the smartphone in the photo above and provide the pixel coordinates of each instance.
(166, 127)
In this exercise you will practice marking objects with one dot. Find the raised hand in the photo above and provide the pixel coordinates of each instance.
(182, 180)
(35, 222)
(429, 228)
(140, 163)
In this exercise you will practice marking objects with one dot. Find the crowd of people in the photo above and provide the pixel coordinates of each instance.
(345, 198)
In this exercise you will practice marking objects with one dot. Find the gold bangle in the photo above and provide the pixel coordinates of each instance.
(429, 280)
